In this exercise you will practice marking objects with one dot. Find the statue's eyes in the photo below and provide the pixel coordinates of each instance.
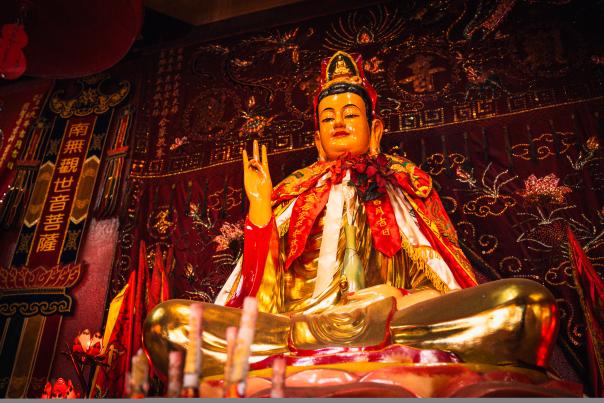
(327, 120)
(351, 115)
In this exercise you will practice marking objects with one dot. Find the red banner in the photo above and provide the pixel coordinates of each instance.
(16, 118)
(386, 236)
(305, 212)
(51, 230)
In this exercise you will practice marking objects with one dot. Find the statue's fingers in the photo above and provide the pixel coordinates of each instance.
(258, 167)
(255, 148)
(264, 157)
(245, 160)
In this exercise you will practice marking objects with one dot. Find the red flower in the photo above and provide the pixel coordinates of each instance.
(382, 161)
(371, 171)
(370, 175)
(360, 167)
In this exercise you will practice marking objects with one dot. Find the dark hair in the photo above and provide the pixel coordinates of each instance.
(341, 88)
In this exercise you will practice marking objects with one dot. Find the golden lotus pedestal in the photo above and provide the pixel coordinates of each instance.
(397, 371)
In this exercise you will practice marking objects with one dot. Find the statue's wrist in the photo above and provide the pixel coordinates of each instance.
(260, 215)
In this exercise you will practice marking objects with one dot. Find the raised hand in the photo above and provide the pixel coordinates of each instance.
(258, 185)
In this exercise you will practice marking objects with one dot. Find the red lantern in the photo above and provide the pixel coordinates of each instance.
(66, 38)
(12, 58)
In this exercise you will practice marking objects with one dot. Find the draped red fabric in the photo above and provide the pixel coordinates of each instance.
(256, 250)
(139, 304)
(590, 288)
(154, 282)
(110, 381)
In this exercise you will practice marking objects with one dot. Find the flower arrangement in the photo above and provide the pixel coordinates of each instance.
(370, 175)
(87, 344)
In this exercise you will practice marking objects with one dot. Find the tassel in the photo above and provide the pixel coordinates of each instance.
(419, 257)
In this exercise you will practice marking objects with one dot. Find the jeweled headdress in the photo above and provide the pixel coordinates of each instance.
(344, 68)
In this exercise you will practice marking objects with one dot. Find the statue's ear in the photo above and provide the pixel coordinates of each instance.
(320, 150)
(377, 130)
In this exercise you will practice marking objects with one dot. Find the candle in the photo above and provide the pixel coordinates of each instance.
(140, 373)
(175, 373)
(193, 358)
(231, 340)
(245, 337)
(277, 388)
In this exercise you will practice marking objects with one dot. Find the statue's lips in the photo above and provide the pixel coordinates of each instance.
(340, 134)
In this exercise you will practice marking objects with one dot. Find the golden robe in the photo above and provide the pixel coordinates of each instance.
(428, 256)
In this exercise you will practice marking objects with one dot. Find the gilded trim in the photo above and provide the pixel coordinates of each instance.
(389, 132)
(26, 354)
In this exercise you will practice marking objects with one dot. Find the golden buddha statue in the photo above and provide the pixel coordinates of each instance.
(356, 252)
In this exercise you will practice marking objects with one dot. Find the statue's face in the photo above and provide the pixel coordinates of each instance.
(343, 127)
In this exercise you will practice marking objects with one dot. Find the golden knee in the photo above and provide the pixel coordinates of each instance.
(512, 321)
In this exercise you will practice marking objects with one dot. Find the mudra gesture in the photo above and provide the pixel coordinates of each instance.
(357, 251)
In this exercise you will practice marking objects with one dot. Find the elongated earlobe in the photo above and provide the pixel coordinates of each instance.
(377, 130)
(322, 157)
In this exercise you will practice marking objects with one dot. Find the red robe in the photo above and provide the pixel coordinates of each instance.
(302, 185)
